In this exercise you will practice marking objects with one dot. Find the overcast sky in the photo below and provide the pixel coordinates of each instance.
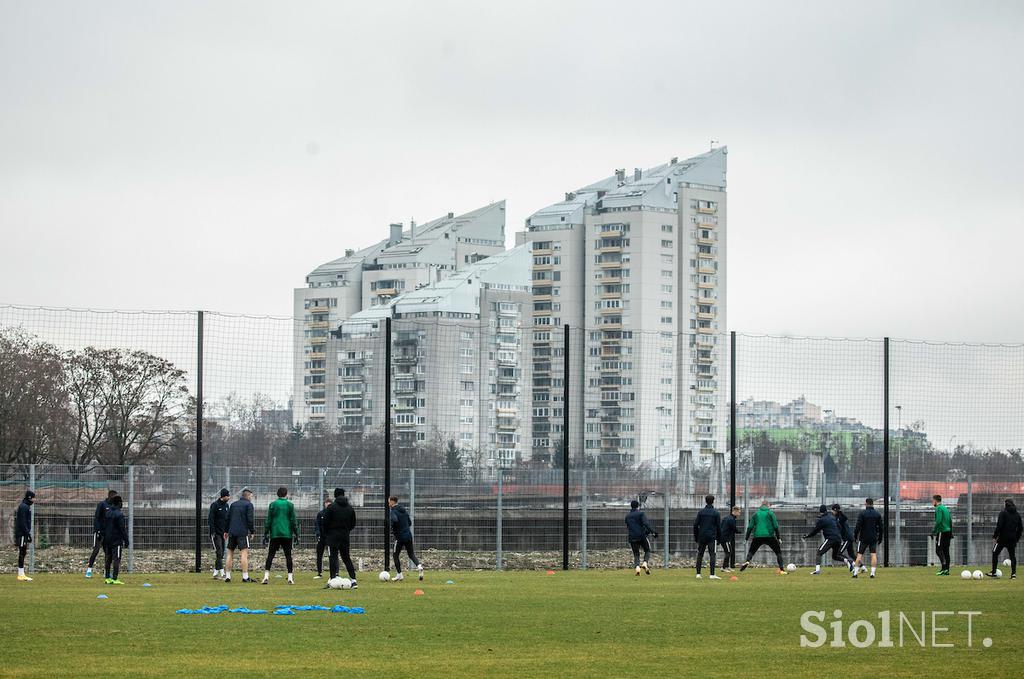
(209, 154)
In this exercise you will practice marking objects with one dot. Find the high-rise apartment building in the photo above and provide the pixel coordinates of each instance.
(458, 369)
(406, 260)
(636, 264)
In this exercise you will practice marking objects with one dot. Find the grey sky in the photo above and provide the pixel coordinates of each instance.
(209, 154)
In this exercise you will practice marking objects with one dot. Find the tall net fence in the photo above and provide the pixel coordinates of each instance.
(477, 417)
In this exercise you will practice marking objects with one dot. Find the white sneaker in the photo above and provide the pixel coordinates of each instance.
(714, 577)
(400, 576)
(638, 571)
(420, 568)
(699, 576)
(863, 569)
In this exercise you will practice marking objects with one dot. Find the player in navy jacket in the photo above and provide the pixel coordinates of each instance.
(868, 533)
(115, 537)
(98, 517)
(832, 539)
(728, 539)
(707, 531)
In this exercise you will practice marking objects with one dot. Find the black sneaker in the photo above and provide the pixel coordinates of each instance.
(355, 585)
(227, 579)
(743, 567)
(990, 575)
(1013, 577)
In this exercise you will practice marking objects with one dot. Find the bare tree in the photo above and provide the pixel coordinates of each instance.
(32, 398)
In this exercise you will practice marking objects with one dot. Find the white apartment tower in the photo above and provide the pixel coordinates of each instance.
(406, 260)
(458, 365)
(637, 263)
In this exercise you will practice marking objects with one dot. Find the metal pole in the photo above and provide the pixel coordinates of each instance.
(387, 439)
(497, 526)
(583, 519)
(320, 489)
(899, 501)
(732, 418)
(565, 448)
(32, 520)
(131, 519)
(970, 520)
(412, 495)
(664, 525)
(227, 478)
(199, 442)
(885, 451)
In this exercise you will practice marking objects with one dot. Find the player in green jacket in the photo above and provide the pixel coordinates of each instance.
(279, 529)
(765, 528)
(943, 532)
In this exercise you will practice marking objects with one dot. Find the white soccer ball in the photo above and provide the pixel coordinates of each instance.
(335, 583)
(1006, 562)
(791, 567)
(384, 576)
(999, 573)
(346, 583)
(977, 575)
(966, 575)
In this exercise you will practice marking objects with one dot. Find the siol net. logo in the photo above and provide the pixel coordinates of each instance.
(925, 629)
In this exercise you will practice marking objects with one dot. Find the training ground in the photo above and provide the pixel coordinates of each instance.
(507, 624)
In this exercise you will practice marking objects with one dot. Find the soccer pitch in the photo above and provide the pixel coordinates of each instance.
(576, 623)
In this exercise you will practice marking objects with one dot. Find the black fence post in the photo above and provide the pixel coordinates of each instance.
(387, 439)
(565, 448)
(732, 419)
(199, 441)
(885, 450)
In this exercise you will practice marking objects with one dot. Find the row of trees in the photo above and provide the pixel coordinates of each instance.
(90, 406)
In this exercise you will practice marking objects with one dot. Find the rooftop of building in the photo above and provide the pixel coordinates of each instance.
(404, 244)
(654, 187)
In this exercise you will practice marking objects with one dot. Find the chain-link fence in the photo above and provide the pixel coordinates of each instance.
(482, 414)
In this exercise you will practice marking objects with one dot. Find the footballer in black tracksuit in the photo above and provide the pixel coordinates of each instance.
(217, 521)
(846, 546)
(707, 532)
(23, 529)
(639, 529)
(832, 540)
(321, 545)
(339, 520)
(1006, 536)
(727, 540)
(115, 536)
(98, 518)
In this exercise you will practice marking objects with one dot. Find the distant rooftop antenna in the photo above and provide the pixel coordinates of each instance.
(713, 142)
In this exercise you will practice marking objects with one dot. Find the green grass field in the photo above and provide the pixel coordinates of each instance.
(522, 624)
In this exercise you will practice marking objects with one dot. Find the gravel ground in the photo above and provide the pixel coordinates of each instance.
(70, 560)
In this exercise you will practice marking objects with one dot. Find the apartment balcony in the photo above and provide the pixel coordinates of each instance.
(508, 312)
(543, 267)
(318, 340)
(507, 379)
(617, 264)
(404, 424)
(611, 295)
(707, 210)
(317, 325)
(706, 241)
(609, 248)
(707, 451)
(541, 252)
(610, 280)
(404, 359)
(351, 428)
(707, 270)
(352, 409)
(386, 292)
(405, 387)
(316, 356)
(508, 423)
(404, 407)
(706, 388)
(407, 342)
(358, 377)
(611, 325)
(706, 415)
(705, 315)
(614, 233)
(705, 360)
(705, 285)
